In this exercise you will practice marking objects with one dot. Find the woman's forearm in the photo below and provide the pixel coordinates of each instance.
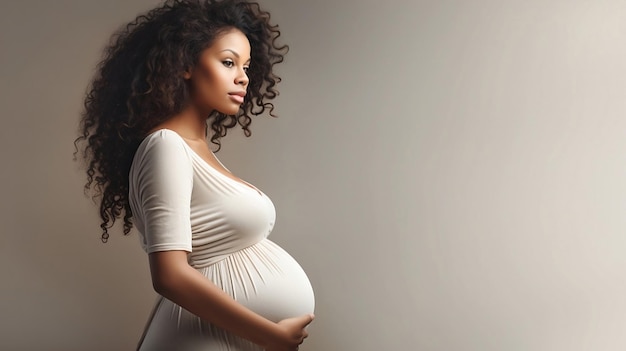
(175, 280)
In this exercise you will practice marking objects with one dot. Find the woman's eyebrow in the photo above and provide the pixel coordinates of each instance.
(234, 53)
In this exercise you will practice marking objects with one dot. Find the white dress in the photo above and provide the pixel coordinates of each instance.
(180, 202)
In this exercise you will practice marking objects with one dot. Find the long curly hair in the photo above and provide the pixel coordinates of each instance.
(139, 84)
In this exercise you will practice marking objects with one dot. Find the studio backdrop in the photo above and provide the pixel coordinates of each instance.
(450, 174)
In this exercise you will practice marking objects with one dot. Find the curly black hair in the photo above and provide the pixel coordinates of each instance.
(139, 84)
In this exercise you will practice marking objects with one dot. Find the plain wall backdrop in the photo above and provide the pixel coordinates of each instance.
(450, 174)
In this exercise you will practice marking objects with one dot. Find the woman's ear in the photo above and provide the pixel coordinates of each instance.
(187, 73)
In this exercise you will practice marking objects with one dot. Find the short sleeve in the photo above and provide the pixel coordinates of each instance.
(161, 182)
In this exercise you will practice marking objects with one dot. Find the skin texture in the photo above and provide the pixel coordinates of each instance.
(220, 72)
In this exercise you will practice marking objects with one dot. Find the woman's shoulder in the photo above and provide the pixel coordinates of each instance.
(163, 134)
(163, 137)
(162, 143)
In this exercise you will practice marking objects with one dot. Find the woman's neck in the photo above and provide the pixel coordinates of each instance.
(189, 123)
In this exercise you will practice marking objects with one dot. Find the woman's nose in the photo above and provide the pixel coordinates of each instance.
(243, 78)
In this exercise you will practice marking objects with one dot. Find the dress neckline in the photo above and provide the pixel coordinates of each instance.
(210, 167)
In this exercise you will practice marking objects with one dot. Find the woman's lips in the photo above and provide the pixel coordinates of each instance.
(237, 97)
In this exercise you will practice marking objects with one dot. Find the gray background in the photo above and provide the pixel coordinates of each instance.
(451, 175)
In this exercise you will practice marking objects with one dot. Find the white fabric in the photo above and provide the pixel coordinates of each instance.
(180, 202)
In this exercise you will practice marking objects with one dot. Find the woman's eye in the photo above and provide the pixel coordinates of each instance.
(228, 63)
(246, 69)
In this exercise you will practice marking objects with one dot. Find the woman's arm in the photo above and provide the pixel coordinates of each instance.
(176, 280)
(161, 184)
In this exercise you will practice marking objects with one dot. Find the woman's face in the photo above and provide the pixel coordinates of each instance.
(219, 80)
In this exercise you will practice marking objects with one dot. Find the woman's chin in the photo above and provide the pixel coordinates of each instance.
(230, 111)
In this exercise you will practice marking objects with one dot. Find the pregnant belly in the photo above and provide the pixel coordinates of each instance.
(266, 279)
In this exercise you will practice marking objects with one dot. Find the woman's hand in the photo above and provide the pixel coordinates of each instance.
(174, 279)
(291, 333)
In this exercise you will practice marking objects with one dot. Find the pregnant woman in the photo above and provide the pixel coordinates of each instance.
(181, 74)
